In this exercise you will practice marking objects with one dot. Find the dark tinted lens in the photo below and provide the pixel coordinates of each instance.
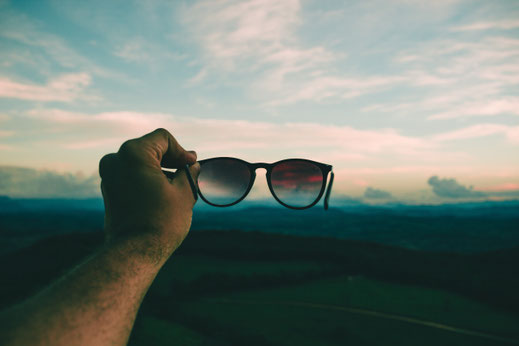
(297, 183)
(223, 181)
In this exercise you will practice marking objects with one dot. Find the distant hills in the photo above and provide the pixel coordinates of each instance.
(471, 227)
(464, 227)
(8, 204)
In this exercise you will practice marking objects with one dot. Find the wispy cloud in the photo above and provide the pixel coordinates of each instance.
(355, 153)
(237, 30)
(133, 51)
(41, 50)
(464, 78)
(330, 87)
(337, 143)
(198, 78)
(65, 88)
(141, 51)
(511, 133)
(478, 109)
(214, 135)
(261, 35)
(503, 24)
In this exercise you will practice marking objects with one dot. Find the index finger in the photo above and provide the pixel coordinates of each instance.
(168, 152)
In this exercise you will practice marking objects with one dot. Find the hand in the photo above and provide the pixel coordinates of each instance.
(141, 203)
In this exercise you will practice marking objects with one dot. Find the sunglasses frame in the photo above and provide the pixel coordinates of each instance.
(325, 169)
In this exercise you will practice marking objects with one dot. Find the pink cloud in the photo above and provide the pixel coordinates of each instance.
(216, 137)
(361, 182)
(500, 188)
(481, 130)
(65, 88)
(358, 155)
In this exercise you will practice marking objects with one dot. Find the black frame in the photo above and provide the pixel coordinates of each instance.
(325, 169)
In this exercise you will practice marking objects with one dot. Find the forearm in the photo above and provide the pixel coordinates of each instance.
(95, 304)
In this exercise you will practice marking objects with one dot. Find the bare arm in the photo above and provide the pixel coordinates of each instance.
(147, 217)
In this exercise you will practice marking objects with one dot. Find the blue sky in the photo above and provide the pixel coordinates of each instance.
(390, 93)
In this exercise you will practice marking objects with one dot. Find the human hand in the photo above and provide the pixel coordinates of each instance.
(140, 201)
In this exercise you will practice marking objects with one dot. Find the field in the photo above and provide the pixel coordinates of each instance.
(333, 312)
(263, 288)
(277, 298)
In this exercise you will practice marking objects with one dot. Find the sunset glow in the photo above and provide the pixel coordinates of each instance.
(392, 94)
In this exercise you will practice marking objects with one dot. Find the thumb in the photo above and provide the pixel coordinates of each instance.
(182, 184)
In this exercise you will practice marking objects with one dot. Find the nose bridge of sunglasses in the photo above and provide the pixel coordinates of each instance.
(259, 165)
(260, 188)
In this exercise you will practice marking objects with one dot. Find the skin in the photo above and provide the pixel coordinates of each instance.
(147, 216)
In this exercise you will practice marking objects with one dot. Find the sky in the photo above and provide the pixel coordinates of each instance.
(409, 100)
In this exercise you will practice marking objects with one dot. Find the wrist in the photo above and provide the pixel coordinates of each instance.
(145, 248)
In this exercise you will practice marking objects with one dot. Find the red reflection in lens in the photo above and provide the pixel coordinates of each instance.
(297, 183)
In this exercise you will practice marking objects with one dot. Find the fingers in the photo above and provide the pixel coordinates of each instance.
(160, 147)
(169, 152)
(181, 183)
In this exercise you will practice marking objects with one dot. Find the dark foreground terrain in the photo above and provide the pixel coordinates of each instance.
(443, 275)
(250, 288)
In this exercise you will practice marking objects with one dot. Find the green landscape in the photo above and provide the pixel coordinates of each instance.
(256, 288)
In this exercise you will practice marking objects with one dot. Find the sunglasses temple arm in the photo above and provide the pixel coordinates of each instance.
(328, 191)
(192, 183)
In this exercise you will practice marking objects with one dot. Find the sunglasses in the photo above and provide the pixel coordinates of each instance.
(294, 183)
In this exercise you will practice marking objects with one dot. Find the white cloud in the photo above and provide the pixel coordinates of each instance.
(260, 35)
(481, 130)
(488, 108)
(65, 88)
(459, 78)
(99, 125)
(503, 24)
(31, 183)
(216, 137)
(326, 87)
(240, 29)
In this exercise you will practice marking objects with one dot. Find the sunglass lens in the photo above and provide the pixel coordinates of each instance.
(296, 183)
(223, 181)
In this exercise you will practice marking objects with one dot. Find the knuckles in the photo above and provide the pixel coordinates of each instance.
(106, 165)
(163, 132)
(129, 147)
